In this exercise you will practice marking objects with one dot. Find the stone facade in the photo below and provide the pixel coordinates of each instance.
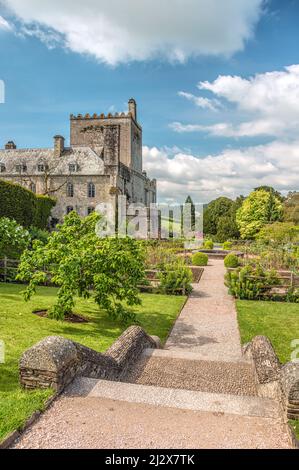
(104, 160)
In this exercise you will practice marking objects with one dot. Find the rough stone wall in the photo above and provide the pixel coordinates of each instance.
(274, 380)
(55, 361)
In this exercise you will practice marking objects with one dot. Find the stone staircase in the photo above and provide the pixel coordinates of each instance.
(183, 380)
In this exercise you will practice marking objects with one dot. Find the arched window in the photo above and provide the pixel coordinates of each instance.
(2, 168)
(69, 209)
(90, 210)
(70, 190)
(91, 190)
(33, 187)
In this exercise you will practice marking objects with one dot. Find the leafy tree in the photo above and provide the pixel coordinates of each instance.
(81, 264)
(269, 189)
(291, 208)
(220, 218)
(261, 207)
(14, 239)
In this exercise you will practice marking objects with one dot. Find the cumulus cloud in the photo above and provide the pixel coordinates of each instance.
(231, 173)
(271, 101)
(117, 31)
(4, 25)
(201, 102)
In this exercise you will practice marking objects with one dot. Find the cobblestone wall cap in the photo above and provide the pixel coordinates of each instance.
(51, 354)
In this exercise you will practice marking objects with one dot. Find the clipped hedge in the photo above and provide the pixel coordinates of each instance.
(22, 205)
(231, 261)
(200, 259)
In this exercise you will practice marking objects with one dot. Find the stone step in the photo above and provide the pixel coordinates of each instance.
(180, 372)
(174, 398)
(193, 356)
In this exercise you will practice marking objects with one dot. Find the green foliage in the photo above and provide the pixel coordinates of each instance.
(200, 259)
(291, 208)
(231, 261)
(293, 295)
(176, 276)
(220, 218)
(14, 239)
(261, 207)
(250, 282)
(227, 246)
(38, 234)
(81, 264)
(208, 244)
(23, 206)
(279, 233)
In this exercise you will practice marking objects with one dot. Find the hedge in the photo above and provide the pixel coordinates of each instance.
(24, 206)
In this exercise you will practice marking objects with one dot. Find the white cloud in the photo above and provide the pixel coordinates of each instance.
(201, 102)
(117, 31)
(270, 100)
(4, 25)
(231, 173)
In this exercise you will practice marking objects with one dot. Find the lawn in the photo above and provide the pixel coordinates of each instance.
(20, 329)
(279, 321)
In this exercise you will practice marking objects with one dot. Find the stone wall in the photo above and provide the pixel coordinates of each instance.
(273, 379)
(55, 361)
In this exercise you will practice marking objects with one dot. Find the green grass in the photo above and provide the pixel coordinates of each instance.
(279, 321)
(295, 426)
(20, 329)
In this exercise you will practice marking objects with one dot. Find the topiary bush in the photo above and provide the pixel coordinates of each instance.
(227, 246)
(231, 261)
(208, 245)
(200, 259)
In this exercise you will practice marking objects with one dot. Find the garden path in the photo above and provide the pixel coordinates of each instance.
(198, 392)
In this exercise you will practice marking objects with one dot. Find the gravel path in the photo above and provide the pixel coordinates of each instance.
(235, 378)
(208, 323)
(109, 424)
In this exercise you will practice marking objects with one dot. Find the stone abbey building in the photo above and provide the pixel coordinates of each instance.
(104, 160)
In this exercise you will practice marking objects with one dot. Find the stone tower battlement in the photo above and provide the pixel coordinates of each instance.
(93, 130)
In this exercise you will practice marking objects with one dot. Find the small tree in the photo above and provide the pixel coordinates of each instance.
(83, 265)
(261, 207)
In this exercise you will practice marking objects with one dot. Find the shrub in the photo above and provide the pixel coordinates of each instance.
(200, 259)
(175, 277)
(227, 246)
(24, 206)
(250, 283)
(208, 245)
(231, 261)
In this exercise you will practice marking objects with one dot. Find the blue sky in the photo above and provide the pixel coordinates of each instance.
(49, 74)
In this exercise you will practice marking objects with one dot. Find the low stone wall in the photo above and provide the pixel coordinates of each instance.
(273, 379)
(55, 361)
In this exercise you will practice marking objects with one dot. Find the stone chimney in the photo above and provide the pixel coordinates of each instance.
(133, 108)
(10, 145)
(58, 145)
